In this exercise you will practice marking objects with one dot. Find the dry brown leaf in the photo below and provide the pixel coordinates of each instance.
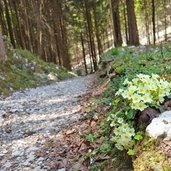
(79, 167)
(93, 124)
(83, 147)
(68, 132)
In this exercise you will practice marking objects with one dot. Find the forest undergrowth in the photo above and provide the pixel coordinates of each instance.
(112, 134)
(141, 84)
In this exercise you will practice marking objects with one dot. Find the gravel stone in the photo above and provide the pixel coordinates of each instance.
(34, 115)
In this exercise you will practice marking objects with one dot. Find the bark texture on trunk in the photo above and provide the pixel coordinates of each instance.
(132, 24)
(114, 5)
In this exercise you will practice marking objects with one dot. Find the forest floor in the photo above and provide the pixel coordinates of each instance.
(31, 117)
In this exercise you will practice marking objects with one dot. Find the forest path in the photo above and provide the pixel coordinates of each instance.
(28, 118)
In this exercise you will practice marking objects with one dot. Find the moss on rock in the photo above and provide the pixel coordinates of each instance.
(150, 157)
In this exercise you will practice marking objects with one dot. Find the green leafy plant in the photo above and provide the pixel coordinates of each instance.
(139, 93)
(134, 69)
(90, 137)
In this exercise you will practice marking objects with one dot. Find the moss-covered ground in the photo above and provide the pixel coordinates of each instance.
(150, 157)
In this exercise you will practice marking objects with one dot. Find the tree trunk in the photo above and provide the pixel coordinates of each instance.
(90, 34)
(19, 34)
(84, 54)
(125, 22)
(147, 27)
(66, 57)
(132, 24)
(64, 54)
(165, 20)
(114, 5)
(99, 44)
(27, 25)
(10, 30)
(153, 21)
(2, 20)
(2, 49)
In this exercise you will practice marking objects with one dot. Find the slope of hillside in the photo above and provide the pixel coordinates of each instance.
(23, 69)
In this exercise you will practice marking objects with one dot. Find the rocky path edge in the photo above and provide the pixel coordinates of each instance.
(29, 117)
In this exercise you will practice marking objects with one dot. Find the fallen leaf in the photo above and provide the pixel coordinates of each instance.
(83, 147)
(93, 124)
(68, 132)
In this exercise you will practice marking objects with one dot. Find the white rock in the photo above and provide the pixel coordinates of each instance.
(2, 78)
(31, 150)
(52, 77)
(161, 126)
(57, 67)
(32, 68)
(15, 56)
(168, 134)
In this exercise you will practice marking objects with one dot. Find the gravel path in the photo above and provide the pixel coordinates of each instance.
(28, 118)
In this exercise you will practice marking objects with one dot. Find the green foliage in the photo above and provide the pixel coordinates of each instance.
(138, 136)
(120, 121)
(132, 63)
(130, 66)
(131, 152)
(114, 52)
(105, 148)
(90, 137)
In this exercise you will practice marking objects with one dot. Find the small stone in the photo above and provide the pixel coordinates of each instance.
(7, 164)
(29, 133)
(39, 161)
(2, 78)
(8, 129)
(17, 153)
(14, 110)
(63, 169)
(52, 77)
(37, 168)
(26, 163)
(4, 151)
(30, 158)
